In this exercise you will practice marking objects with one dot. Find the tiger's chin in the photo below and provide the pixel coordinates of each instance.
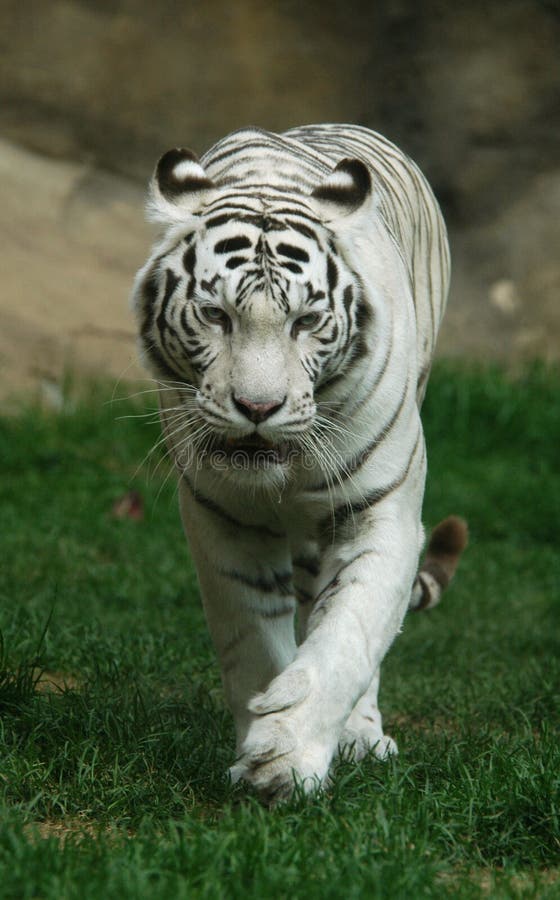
(271, 477)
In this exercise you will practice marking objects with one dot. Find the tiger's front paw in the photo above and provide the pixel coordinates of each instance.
(274, 761)
(285, 745)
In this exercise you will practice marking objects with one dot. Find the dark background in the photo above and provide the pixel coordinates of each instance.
(471, 91)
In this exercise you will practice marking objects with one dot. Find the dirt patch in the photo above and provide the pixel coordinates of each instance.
(75, 830)
(491, 880)
(419, 724)
(48, 682)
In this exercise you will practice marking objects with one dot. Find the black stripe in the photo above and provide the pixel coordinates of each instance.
(277, 612)
(335, 580)
(233, 643)
(312, 295)
(364, 315)
(222, 219)
(165, 370)
(242, 144)
(212, 506)
(347, 297)
(189, 259)
(309, 564)
(304, 230)
(332, 273)
(229, 149)
(333, 334)
(427, 595)
(359, 348)
(229, 245)
(422, 380)
(150, 290)
(337, 376)
(209, 286)
(376, 381)
(379, 437)
(345, 511)
(230, 206)
(296, 208)
(356, 462)
(236, 261)
(279, 582)
(293, 252)
(171, 282)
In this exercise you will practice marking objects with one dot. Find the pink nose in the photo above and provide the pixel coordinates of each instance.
(255, 411)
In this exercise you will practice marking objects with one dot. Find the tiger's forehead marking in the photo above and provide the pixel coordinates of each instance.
(228, 245)
(256, 253)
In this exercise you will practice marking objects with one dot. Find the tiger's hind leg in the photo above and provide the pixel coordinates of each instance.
(364, 728)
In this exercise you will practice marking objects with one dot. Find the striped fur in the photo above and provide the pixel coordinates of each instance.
(289, 313)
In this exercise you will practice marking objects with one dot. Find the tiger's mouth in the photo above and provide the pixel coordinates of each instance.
(255, 450)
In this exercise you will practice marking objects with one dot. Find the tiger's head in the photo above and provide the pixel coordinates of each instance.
(250, 311)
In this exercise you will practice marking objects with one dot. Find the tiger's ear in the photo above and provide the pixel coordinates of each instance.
(177, 188)
(345, 190)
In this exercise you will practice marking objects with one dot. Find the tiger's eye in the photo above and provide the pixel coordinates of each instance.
(305, 322)
(215, 315)
(308, 320)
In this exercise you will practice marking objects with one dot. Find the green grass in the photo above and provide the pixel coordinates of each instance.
(114, 786)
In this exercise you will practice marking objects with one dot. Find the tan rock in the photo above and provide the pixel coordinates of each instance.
(72, 239)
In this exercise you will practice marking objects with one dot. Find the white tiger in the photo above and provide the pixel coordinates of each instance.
(289, 313)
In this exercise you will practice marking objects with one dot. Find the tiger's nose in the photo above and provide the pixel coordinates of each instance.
(255, 411)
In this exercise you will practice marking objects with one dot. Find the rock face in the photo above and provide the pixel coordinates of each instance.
(505, 295)
(471, 91)
(72, 238)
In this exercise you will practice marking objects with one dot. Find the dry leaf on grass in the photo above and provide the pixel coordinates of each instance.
(129, 506)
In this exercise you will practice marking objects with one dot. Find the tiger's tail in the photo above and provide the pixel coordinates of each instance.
(446, 544)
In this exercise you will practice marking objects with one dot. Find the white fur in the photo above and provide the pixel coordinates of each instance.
(188, 168)
(295, 706)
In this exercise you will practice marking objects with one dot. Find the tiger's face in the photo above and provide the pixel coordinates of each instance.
(251, 318)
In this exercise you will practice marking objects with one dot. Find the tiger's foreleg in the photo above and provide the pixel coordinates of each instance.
(363, 730)
(245, 580)
(299, 720)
